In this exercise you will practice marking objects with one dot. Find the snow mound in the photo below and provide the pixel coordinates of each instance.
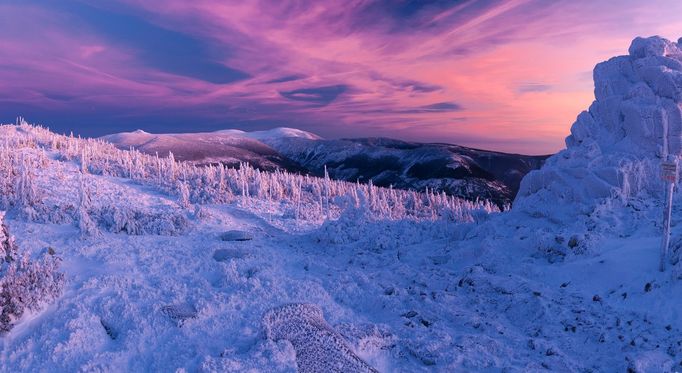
(319, 348)
(616, 146)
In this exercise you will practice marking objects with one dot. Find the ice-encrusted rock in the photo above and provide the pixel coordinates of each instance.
(319, 348)
(615, 148)
(236, 236)
(224, 255)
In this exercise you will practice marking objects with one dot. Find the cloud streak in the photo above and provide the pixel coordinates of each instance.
(507, 75)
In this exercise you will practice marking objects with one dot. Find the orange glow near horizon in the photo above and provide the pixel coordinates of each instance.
(501, 75)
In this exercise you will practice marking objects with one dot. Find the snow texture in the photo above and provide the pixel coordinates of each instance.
(319, 348)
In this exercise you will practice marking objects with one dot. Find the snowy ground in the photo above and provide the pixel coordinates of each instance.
(407, 296)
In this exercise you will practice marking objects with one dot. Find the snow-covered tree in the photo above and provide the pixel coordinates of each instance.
(85, 223)
(26, 190)
(25, 284)
(183, 191)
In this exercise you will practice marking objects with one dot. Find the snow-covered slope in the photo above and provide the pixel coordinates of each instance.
(229, 146)
(456, 170)
(154, 283)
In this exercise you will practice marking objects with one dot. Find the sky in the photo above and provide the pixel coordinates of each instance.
(502, 75)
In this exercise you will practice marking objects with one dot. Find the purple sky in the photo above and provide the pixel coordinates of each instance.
(503, 75)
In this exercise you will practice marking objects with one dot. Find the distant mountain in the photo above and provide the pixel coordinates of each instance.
(229, 147)
(456, 170)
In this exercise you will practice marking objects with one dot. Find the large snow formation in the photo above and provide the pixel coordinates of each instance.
(616, 146)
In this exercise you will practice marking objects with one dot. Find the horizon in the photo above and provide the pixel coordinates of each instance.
(508, 76)
(274, 128)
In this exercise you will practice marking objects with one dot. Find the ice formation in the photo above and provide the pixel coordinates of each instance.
(319, 348)
(615, 148)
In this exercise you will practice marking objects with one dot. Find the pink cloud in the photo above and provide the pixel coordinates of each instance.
(516, 70)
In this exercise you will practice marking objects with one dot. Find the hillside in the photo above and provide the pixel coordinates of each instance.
(229, 147)
(455, 170)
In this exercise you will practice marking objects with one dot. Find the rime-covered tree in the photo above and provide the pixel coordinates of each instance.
(26, 190)
(85, 223)
(183, 192)
(24, 284)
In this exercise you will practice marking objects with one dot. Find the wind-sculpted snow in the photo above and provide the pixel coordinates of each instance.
(411, 285)
(319, 348)
(616, 146)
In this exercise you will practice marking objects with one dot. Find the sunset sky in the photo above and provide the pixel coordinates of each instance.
(502, 75)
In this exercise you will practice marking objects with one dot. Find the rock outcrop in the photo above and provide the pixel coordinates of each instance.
(616, 147)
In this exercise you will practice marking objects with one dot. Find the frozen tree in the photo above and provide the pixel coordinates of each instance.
(85, 223)
(184, 194)
(309, 198)
(8, 248)
(25, 284)
(26, 190)
(84, 163)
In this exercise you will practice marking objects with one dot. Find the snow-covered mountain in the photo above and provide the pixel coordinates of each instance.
(229, 147)
(456, 170)
(116, 260)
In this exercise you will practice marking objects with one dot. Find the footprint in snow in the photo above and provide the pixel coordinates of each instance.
(180, 313)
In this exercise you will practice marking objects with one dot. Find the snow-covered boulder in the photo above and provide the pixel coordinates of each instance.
(236, 236)
(319, 348)
(616, 146)
(225, 255)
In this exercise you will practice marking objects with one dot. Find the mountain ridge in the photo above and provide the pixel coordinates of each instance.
(454, 169)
